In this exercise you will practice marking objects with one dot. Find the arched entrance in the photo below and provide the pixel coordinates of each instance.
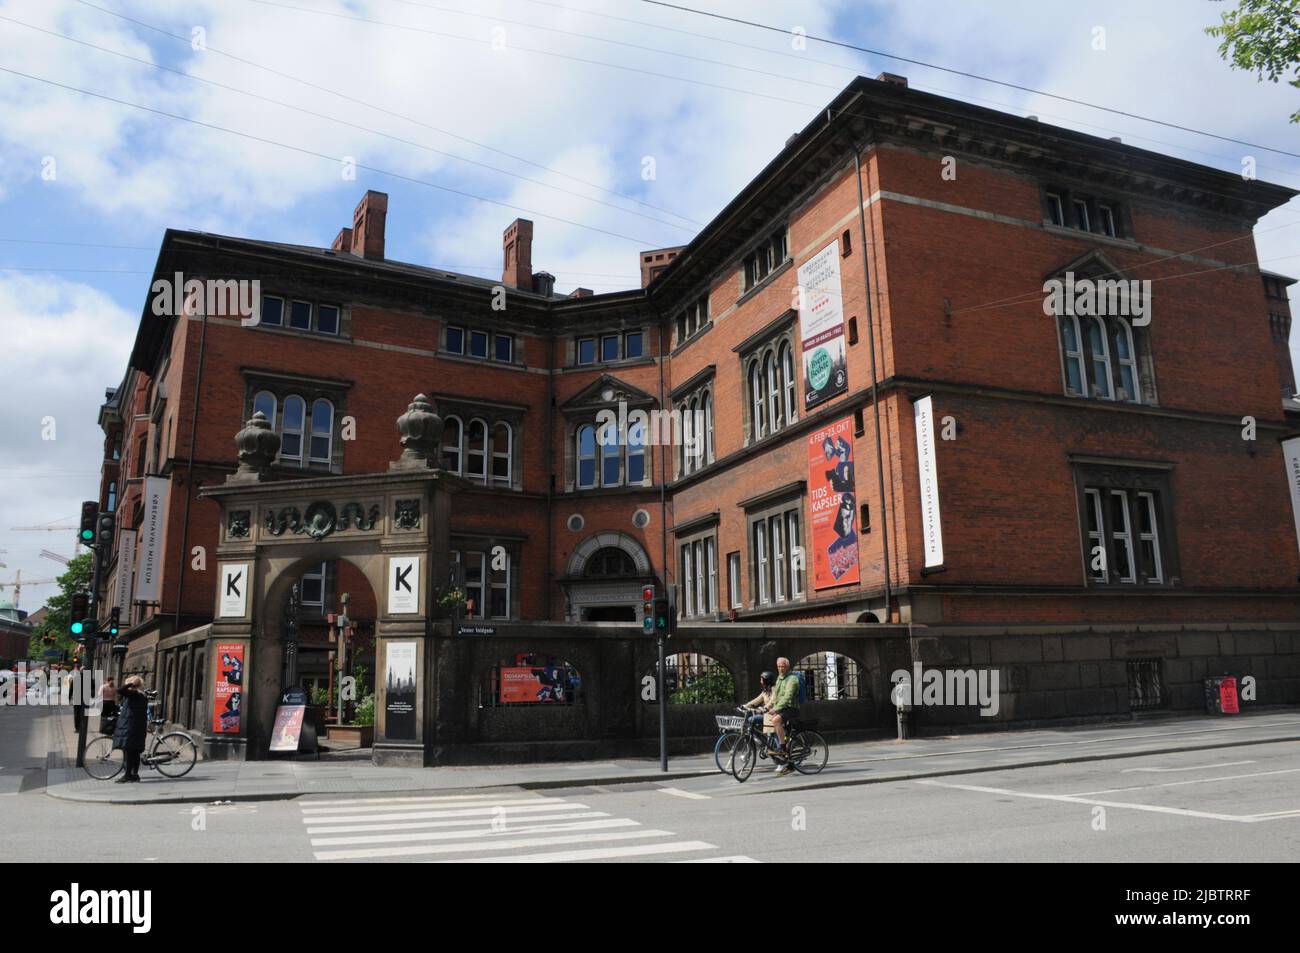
(604, 579)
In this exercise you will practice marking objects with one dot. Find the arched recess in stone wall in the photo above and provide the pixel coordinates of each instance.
(610, 539)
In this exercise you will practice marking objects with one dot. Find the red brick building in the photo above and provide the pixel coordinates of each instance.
(1086, 469)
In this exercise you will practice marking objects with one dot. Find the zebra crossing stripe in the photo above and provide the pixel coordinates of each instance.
(460, 822)
(328, 812)
(408, 837)
(598, 853)
(413, 850)
(486, 811)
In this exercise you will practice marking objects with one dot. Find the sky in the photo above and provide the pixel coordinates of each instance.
(615, 126)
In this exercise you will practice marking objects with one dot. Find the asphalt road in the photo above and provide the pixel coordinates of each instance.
(1231, 804)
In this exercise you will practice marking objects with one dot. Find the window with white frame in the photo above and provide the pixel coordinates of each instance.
(696, 450)
(1082, 210)
(481, 449)
(733, 580)
(776, 554)
(1103, 358)
(692, 319)
(771, 388)
(602, 461)
(487, 581)
(770, 255)
(306, 427)
(1125, 527)
(698, 572)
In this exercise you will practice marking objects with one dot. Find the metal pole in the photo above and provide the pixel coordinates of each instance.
(88, 654)
(663, 705)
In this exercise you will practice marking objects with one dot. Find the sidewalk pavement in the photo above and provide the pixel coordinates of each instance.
(865, 762)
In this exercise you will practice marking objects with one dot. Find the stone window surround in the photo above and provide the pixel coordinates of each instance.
(491, 413)
(283, 385)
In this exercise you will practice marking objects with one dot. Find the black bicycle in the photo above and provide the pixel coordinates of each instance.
(729, 729)
(806, 750)
(172, 753)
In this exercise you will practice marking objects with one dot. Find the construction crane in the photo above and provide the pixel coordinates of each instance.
(76, 550)
(46, 554)
(17, 583)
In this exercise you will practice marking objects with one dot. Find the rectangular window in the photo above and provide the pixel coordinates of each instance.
(688, 581)
(475, 606)
(701, 590)
(455, 340)
(1081, 215)
(499, 607)
(586, 351)
(1055, 210)
(760, 553)
(1123, 530)
(609, 348)
(300, 316)
(794, 542)
(327, 319)
(478, 344)
(503, 348)
(1107, 216)
(733, 579)
(711, 563)
(775, 533)
(272, 310)
(312, 590)
(633, 344)
(1097, 563)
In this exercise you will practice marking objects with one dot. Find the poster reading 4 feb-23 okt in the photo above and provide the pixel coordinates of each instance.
(832, 505)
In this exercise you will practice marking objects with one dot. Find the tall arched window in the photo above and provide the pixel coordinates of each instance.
(1126, 357)
(635, 454)
(322, 431)
(787, 373)
(774, 417)
(1100, 358)
(611, 463)
(1075, 373)
(476, 451)
(688, 437)
(452, 434)
(708, 426)
(758, 406)
(586, 457)
(265, 402)
(502, 439)
(291, 428)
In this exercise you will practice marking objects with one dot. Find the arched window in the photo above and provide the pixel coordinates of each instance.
(708, 426)
(502, 439)
(830, 676)
(322, 431)
(452, 434)
(758, 406)
(476, 451)
(1074, 367)
(1126, 357)
(291, 428)
(688, 437)
(774, 418)
(265, 402)
(1100, 358)
(787, 373)
(611, 461)
(636, 453)
(694, 679)
(586, 457)
(609, 562)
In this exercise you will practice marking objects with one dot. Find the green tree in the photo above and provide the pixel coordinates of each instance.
(57, 608)
(1263, 36)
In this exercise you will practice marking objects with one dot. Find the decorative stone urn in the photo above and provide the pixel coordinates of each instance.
(257, 444)
(421, 431)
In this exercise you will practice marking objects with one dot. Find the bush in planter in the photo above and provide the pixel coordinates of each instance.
(320, 697)
(365, 713)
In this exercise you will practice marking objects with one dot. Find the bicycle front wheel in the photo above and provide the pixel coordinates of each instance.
(722, 750)
(174, 754)
(808, 752)
(103, 761)
(743, 757)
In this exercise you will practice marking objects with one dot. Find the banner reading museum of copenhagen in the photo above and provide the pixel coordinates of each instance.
(148, 577)
(1291, 455)
(832, 506)
(122, 581)
(821, 327)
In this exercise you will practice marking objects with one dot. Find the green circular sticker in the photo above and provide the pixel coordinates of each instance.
(819, 368)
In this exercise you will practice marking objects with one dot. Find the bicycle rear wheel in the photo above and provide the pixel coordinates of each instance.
(103, 761)
(174, 754)
(743, 757)
(722, 750)
(808, 752)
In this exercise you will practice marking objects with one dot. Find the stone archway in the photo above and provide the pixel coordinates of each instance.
(604, 578)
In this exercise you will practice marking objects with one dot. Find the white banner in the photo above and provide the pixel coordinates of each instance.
(403, 584)
(152, 527)
(1291, 454)
(234, 591)
(923, 414)
(821, 327)
(122, 584)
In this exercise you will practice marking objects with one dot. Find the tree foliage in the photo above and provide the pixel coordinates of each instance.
(76, 578)
(1263, 37)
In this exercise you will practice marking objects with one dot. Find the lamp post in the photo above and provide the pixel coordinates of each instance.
(291, 638)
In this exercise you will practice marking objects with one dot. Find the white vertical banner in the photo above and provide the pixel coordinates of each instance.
(1291, 454)
(125, 569)
(403, 584)
(234, 591)
(153, 525)
(931, 528)
(821, 327)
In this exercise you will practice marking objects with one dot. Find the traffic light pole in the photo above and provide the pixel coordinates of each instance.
(663, 709)
(88, 654)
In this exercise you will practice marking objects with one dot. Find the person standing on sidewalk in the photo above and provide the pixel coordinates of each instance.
(132, 725)
(108, 706)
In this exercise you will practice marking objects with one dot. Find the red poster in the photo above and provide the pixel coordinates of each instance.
(536, 683)
(1228, 696)
(832, 506)
(228, 687)
(288, 727)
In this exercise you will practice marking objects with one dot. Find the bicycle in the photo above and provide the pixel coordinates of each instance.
(729, 728)
(806, 750)
(172, 753)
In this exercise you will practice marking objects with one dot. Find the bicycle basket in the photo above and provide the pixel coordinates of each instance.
(730, 722)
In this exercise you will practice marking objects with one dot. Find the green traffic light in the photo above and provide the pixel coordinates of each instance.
(87, 534)
(76, 628)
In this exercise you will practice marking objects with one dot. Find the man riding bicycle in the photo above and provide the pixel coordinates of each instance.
(781, 703)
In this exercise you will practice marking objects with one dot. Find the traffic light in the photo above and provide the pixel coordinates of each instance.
(114, 617)
(78, 610)
(104, 530)
(663, 617)
(89, 510)
(648, 609)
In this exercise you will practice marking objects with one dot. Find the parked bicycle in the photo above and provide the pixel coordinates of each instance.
(806, 750)
(172, 753)
(729, 728)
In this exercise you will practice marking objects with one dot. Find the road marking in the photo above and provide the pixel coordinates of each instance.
(738, 859)
(307, 805)
(409, 805)
(514, 808)
(1175, 784)
(687, 794)
(504, 844)
(599, 853)
(1195, 767)
(1076, 799)
(408, 836)
(463, 822)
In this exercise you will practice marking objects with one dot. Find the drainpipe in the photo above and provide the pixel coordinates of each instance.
(550, 472)
(189, 473)
(875, 401)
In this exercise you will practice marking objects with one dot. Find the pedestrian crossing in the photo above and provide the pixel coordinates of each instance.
(488, 828)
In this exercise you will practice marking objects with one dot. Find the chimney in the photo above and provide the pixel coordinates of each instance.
(343, 240)
(655, 261)
(582, 293)
(543, 283)
(368, 225)
(517, 248)
(893, 79)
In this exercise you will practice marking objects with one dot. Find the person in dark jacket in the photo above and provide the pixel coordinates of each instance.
(132, 726)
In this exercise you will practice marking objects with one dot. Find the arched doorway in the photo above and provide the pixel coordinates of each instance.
(604, 580)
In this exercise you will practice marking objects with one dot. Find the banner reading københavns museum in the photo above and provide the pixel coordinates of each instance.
(821, 327)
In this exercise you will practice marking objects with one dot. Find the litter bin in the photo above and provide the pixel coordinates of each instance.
(1221, 695)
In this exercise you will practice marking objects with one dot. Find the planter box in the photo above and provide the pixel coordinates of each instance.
(363, 736)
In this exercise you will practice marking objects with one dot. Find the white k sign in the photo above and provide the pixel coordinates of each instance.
(234, 590)
(403, 584)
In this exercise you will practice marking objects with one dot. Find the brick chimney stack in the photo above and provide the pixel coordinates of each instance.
(517, 248)
(368, 225)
